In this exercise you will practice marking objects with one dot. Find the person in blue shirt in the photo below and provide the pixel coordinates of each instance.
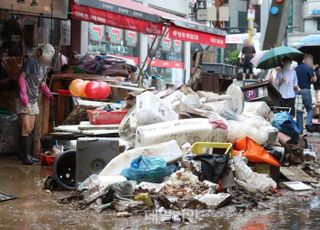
(306, 77)
(286, 81)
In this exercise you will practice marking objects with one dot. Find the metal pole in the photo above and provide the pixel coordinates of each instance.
(250, 23)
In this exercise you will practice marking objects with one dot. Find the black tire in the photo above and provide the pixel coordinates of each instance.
(64, 170)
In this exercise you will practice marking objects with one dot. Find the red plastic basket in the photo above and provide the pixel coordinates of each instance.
(47, 159)
(99, 117)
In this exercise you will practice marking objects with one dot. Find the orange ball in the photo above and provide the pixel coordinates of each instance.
(83, 88)
(75, 87)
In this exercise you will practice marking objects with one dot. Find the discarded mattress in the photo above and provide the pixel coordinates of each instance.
(183, 131)
(169, 151)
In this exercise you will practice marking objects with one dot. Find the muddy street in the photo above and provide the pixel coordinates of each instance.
(36, 208)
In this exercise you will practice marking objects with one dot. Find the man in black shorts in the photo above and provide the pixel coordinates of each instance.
(248, 52)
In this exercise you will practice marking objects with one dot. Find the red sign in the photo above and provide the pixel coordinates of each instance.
(167, 64)
(98, 30)
(182, 34)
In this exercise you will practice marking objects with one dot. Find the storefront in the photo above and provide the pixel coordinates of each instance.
(138, 25)
(169, 59)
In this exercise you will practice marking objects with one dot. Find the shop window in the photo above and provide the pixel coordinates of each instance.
(114, 41)
(169, 60)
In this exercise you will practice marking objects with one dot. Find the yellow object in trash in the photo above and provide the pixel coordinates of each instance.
(211, 147)
(145, 197)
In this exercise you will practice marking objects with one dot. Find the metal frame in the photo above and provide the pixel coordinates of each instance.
(151, 54)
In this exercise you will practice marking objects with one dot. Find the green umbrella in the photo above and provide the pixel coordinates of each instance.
(272, 58)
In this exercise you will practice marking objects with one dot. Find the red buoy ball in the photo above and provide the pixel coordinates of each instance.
(93, 89)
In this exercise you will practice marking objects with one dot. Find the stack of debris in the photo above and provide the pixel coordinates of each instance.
(199, 150)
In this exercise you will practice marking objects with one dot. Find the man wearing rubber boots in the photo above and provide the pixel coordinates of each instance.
(30, 81)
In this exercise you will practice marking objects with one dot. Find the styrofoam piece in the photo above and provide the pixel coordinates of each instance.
(297, 186)
(151, 109)
(237, 98)
(258, 108)
(168, 151)
(183, 131)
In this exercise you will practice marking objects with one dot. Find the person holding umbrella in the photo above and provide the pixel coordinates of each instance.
(306, 77)
(286, 81)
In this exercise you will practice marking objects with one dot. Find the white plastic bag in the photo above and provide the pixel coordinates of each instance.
(255, 180)
(255, 127)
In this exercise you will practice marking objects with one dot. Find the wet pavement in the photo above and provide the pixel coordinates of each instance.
(36, 208)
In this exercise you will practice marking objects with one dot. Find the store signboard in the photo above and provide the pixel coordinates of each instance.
(60, 7)
(183, 34)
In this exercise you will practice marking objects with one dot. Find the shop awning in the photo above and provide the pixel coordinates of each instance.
(130, 15)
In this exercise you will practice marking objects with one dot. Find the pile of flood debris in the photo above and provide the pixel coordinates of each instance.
(200, 150)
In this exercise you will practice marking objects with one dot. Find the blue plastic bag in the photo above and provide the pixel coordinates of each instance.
(149, 169)
(285, 124)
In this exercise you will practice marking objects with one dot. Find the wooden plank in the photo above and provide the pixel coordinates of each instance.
(45, 116)
(100, 132)
(294, 173)
(93, 104)
(41, 124)
(85, 125)
(75, 129)
(68, 128)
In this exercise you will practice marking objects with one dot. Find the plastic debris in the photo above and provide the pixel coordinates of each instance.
(150, 169)
(168, 151)
(184, 183)
(145, 197)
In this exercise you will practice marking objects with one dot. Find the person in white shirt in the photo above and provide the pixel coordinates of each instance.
(287, 82)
